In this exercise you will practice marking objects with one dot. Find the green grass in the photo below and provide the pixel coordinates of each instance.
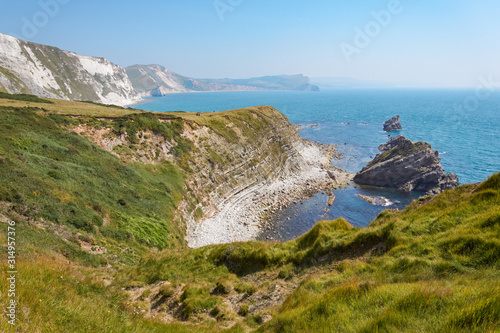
(434, 267)
(49, 173)
(439, 274)
(104, 105)
(24, 97)
(54, 296)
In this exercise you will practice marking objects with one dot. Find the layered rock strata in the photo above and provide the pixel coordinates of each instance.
(407, 166)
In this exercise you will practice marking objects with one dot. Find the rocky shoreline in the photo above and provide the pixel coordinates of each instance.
(242, 216)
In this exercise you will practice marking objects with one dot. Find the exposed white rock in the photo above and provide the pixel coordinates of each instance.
(47, 71)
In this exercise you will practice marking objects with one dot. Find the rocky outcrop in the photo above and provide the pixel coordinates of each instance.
(392, 124)
(47, 71)
(407, 166)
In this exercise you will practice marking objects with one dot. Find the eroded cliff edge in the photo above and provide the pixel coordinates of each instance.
(241, 166)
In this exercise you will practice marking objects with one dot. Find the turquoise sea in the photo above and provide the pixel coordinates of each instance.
(465, 130)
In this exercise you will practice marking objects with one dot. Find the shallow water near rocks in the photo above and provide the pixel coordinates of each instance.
(297, 219)
(468, 140)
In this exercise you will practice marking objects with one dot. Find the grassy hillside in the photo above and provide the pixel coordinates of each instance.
(129, 191)
(50, 174)
(434, 267)
(58, 106)
(89, 225)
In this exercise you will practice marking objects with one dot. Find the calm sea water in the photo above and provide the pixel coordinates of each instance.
(467, 135)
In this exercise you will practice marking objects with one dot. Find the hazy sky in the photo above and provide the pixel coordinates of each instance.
(424, 43)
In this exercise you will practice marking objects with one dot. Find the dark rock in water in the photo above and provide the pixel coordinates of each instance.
(392, 124)
(407, 166)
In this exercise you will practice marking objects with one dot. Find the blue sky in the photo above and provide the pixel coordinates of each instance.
(422, 43)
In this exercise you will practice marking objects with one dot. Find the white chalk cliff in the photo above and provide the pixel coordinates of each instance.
(48, 71)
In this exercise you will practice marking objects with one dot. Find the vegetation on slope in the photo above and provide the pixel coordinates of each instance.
(63, 107)
(433, 267)
(50, 174)
(86, 222)
(24, 97)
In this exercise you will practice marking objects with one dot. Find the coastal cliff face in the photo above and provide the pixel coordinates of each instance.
(256, 164)
(164, 179)
(156, 80)
(407, 166)
(90, 215)
(276, 82)
(47, 71)
(241, 166)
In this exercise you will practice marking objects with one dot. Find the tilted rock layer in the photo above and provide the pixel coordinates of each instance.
(407, 166)
(245, 165)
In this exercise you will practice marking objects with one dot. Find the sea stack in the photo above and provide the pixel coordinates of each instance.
(407, 166)
(392, 124)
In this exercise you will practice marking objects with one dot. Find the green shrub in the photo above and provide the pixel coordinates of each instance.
(145, 294)
(247, 288)
(166, 291)
(223, 287)
(286, 273)
(243, 310)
